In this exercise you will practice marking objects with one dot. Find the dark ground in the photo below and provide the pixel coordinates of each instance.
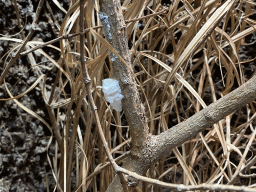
(23, 138)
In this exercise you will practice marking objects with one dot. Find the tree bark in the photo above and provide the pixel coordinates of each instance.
(146, 148)
(218, 110)
(114, 29)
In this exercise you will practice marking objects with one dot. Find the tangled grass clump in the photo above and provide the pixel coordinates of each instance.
(175, 78)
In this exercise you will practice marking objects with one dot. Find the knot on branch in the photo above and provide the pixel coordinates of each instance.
(209, 116)
(132, 181)
(86, 80)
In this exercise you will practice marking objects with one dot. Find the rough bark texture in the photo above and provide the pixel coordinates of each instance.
(218, 110)
(175, 136)
(114, 29)
(132, 164)
(146, 149)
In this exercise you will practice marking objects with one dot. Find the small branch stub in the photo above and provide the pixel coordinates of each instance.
(86, 80)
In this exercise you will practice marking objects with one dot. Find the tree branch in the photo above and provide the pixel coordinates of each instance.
(146, 149)
(218, 110)
(114, 30)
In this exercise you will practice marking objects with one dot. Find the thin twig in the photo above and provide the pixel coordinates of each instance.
(18, 19)
(163, 11)
(68, 36)
(180, 187)
(23, 44)
(87, 82)
(101, 168)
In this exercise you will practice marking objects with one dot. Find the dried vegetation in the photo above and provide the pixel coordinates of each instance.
(159, 36)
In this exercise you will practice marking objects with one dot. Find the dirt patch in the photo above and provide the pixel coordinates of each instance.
(23, 138)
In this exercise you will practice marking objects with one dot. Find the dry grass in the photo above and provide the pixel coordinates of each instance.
(171, 92)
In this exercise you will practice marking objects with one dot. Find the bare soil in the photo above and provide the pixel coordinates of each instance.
(23, 138)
